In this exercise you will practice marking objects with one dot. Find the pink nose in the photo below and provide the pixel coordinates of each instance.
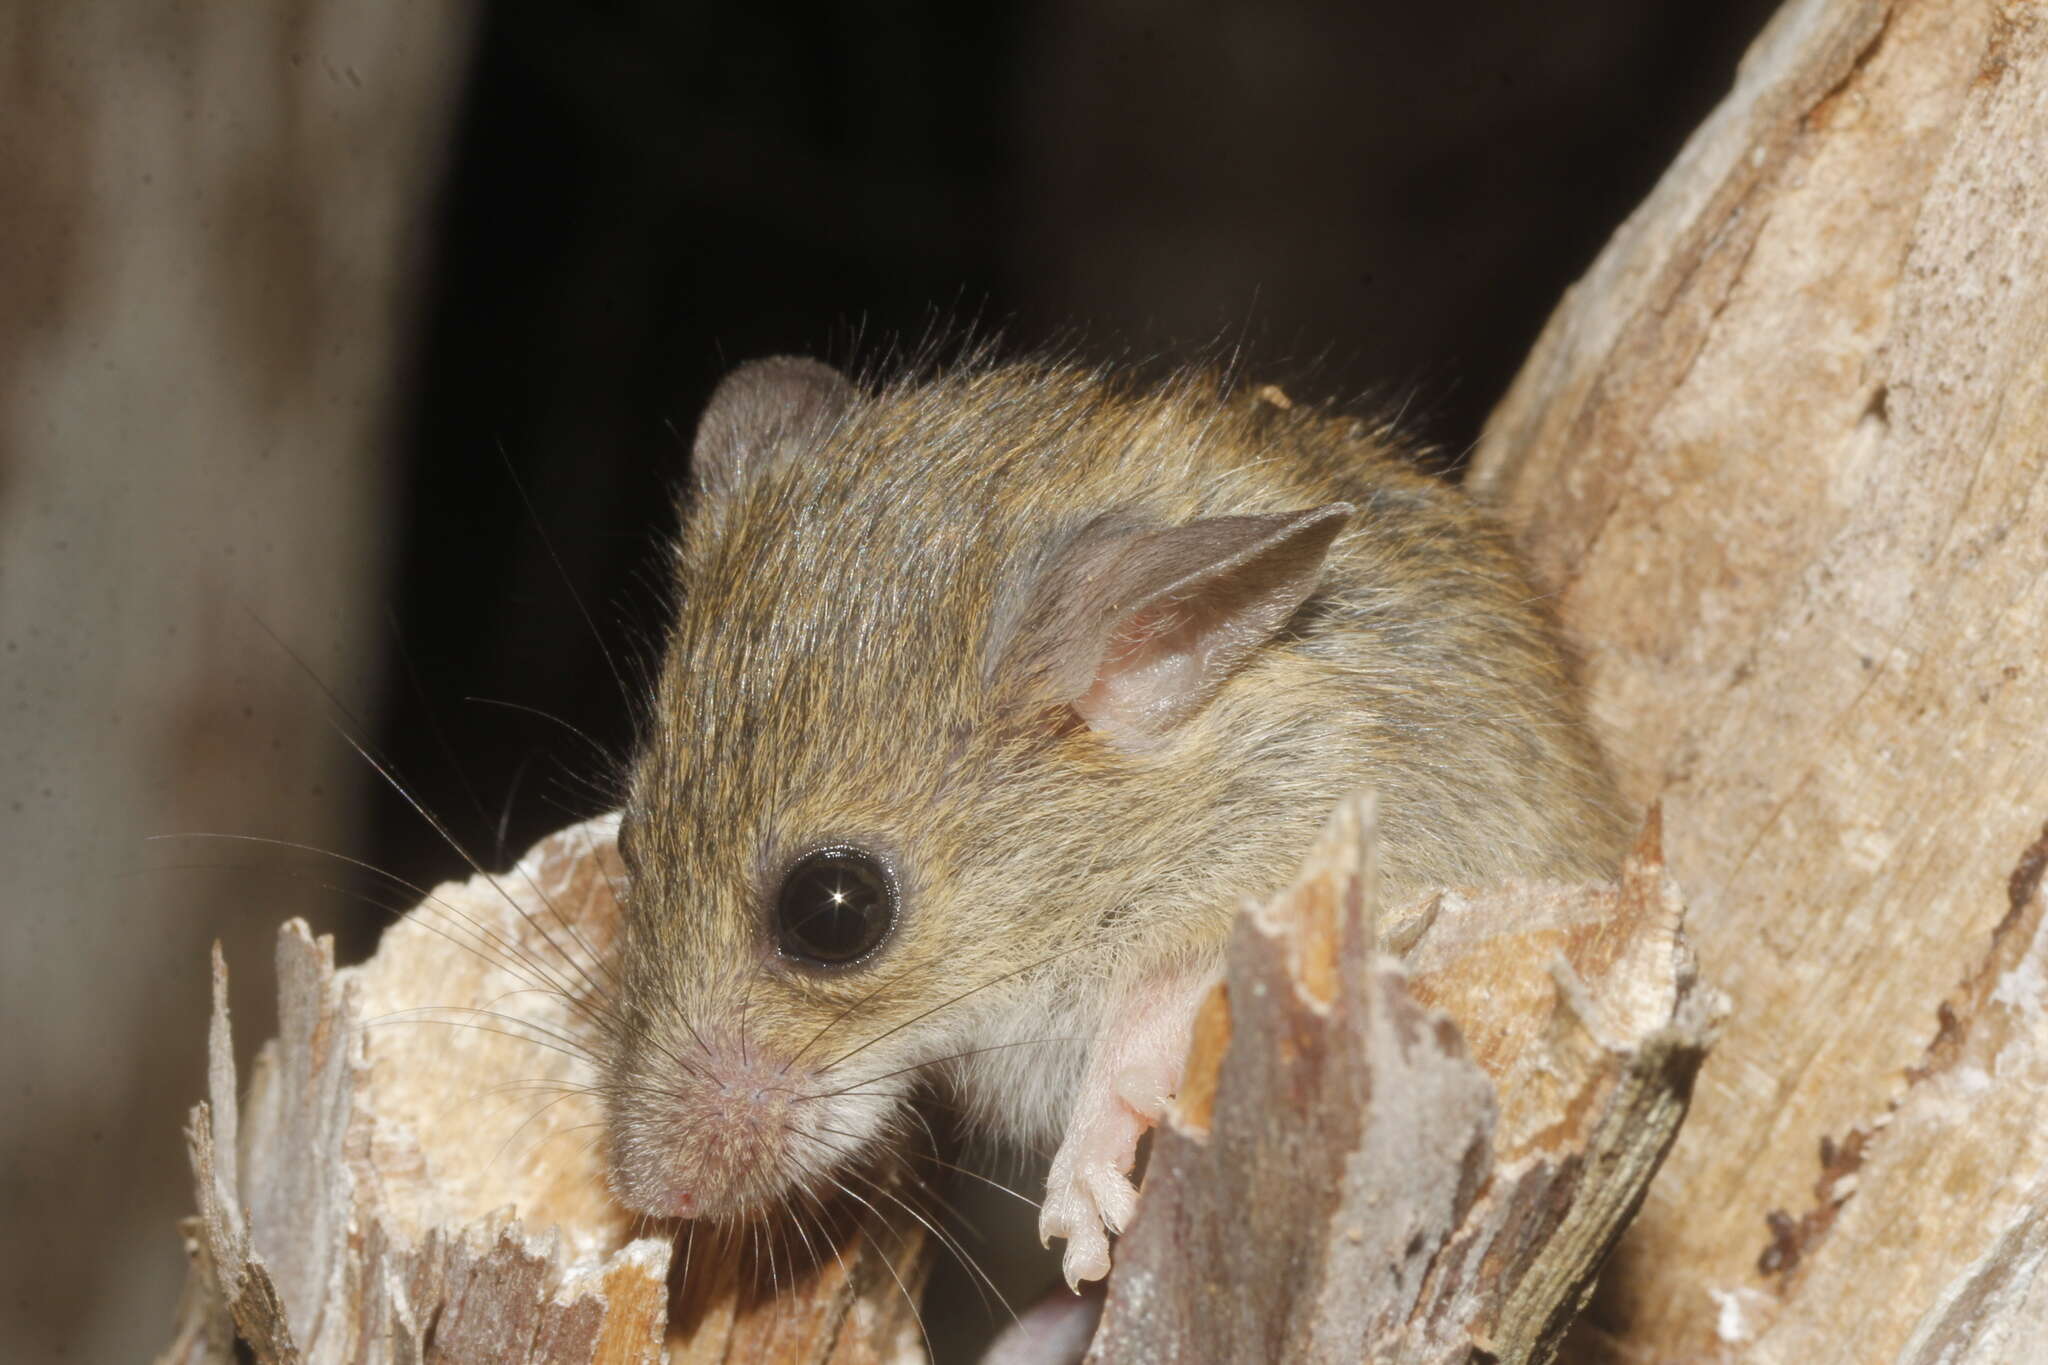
(680, 1204)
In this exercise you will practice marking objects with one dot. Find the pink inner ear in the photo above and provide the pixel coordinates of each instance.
(1159, 665)
(1200, 598)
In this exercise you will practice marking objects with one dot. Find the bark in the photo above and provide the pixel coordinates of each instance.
(1781, 455)
(412, 1175)
(1384, 1163)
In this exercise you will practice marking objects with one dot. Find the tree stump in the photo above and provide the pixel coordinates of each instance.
(414, 1175)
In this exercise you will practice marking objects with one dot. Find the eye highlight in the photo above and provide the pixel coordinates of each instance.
(835, 907)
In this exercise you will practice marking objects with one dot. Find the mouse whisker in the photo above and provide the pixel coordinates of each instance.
(583, 1152)
(682, 1009)
(422, 1018)
(508, 956)
(856, 1087)
(662, 1049)
(778, 1236)
(944, 1203)
(931, 1138)
(943, 1004)
(908, 1298)
(838, 1018)
(542, 1085)
(794, 1219)
(828, 1231)
(513, 1136)
(765, 1231)
(978, 1276)
(591, 984)
(606, 758)
(549, 1038)
(973, 1174)
(619, 679)
(562, 1094)
(385, 771)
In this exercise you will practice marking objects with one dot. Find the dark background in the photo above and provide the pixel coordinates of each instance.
(1378, 203)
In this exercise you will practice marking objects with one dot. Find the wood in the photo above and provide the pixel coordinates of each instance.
(1349, 1174)
(1781, 453)
(412, 1175)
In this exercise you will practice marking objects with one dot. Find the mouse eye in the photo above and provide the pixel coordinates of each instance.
(836, 906)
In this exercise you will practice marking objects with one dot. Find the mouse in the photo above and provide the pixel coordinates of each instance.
(990, 694)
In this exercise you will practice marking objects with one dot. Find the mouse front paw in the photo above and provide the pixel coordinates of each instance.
(1089, 1193)
(1132, 1070)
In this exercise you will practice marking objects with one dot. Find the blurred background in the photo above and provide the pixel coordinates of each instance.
(349, 354)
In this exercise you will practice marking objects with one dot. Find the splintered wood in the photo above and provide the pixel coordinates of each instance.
(1350, 1174)
(413, 1174)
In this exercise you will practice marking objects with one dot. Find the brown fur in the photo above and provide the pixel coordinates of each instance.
(835, 672)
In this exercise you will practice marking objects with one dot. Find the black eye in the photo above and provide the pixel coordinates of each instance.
(836, 906)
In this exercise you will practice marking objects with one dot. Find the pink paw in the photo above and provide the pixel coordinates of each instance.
(1133, 1070)
(1089, 1193)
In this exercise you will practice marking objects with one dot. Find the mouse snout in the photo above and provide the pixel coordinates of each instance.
(706, 1138)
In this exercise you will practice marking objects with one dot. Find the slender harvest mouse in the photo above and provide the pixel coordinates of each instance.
(988, 699)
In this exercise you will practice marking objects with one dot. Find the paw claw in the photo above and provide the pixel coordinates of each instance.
(1087, 1258)
(1084, 1206)
(1063, 1213)
(1114, 1197)
(1072, 1214)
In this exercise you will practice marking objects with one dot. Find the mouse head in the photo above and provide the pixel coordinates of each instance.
(946, 735)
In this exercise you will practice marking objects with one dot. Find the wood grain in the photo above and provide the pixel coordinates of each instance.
(1781, 454)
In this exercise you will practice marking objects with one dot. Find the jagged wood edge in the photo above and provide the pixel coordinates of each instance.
(1204, 1270)
(488, 1289)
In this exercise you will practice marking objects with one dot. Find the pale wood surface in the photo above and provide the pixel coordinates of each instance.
(414, 1171)
(1781, 454)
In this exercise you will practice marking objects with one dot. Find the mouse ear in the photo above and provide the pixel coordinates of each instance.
(760, 413)
(1136, 629)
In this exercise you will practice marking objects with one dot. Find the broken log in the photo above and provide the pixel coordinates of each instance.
(1377, 1162)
